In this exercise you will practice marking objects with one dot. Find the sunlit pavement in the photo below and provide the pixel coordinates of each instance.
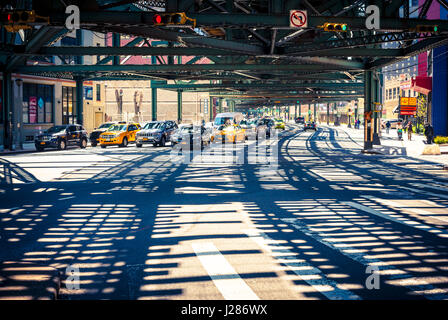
(314, 226)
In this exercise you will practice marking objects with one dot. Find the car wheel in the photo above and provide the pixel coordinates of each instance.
(93, 144)
(103, 147)
(173, 144)
(83, 144)
(62, 145)
(39, 148)
(138, 145)
(162, 141)
(124, 143)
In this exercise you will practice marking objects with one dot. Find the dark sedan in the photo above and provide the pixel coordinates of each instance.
(59, 137)
(310, 126)
(95, 134)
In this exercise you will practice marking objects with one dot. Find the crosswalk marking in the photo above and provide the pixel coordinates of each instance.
(308, 273)
(224, 276)
(399, 276)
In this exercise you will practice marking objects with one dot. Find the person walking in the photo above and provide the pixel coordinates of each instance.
(409, 127)
(400, 131)
(387, 127)
(429, 133)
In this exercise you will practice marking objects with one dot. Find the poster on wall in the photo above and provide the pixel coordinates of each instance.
(88, 93)
(33, 109)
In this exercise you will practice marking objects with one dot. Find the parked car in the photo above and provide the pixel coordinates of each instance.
(393, 123)
(158, 133)
(120, 134)
(229, 133)
(196, 137)
(95, 134)
(300, 120)
(60, 137)
(310, 126)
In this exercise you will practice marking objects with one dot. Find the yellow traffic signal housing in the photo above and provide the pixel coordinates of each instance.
(178, 18)
(427, 29)
(335, 27)
(16, 20)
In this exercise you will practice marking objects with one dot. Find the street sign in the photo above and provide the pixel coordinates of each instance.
(404, 101)
(298, 18)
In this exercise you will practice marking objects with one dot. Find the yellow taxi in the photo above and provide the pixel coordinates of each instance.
(229, 133)
(120, 134)
(279, 124)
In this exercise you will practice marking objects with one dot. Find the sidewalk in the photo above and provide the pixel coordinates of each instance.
(27, 147)
(390, 145)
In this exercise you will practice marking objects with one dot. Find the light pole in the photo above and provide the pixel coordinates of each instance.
(18, 128)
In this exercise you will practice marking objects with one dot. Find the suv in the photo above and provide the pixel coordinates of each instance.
(62, 136)
(95, 134)
(156, 132)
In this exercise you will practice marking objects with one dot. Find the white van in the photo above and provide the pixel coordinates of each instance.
(232, 117)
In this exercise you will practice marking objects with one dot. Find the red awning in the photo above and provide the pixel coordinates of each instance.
(422, 84)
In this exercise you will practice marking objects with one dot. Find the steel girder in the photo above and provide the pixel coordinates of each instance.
(178, 68)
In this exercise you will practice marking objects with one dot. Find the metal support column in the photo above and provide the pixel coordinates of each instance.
(80, 42)
(315, 113)
(300, 109)
(116, 43)
(368, 103)
(295, 111)
(328, 114)
(154, 104)
(220, 105)
(79, 100)
(7, 91)
(179, 106)
(375, 97)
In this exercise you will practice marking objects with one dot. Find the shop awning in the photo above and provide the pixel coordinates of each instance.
(422, 84)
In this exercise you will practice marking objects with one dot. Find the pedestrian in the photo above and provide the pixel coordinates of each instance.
(387, 127)
(409, 127)
(429, 133)
(400, 131)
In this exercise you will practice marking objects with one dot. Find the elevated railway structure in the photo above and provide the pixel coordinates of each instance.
(257, 55)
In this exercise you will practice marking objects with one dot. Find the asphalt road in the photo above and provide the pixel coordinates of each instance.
(322, 221)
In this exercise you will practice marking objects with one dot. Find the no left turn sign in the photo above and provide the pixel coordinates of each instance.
(298, 19)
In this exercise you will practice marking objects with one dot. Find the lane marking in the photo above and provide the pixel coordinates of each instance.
(224, 276)
(416, 210)
(403, 221)
(429, 193)
(306, 272)
(389, 271)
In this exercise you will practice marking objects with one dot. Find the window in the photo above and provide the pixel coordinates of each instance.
(37, 103)
(98, 92)
(69, 105)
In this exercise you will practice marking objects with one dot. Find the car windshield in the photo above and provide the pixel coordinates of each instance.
(189, 129)
(105, 126)
(224, 127)
(118, 127)
(154, 125)
(244, 122)
(223, 120)
(56, 129)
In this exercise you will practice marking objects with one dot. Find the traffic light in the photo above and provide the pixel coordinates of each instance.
(335, 27)
(178, 18)
(19, 19)
(427, 29)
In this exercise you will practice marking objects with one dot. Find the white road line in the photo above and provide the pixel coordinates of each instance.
(386, 270)
(306, 272)
(431, 187)
(416, 210)
(224, 276)
(404, 221)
